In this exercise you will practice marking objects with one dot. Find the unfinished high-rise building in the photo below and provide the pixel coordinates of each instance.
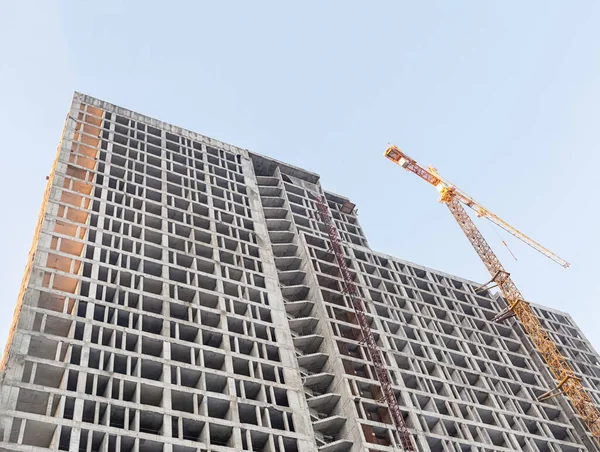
(181, 296)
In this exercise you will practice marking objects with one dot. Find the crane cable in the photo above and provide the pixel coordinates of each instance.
(495, 229)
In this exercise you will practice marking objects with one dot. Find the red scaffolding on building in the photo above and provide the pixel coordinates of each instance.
(359, 310)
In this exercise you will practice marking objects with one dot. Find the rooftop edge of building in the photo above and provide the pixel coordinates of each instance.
(113, 108)
(107, 106)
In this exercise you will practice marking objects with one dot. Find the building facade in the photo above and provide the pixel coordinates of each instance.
(180, 296)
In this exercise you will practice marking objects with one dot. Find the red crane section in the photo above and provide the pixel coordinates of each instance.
(359, 310)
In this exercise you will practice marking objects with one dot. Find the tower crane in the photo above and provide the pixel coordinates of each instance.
(455, 199)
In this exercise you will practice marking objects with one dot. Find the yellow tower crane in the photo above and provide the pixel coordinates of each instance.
(454, 198)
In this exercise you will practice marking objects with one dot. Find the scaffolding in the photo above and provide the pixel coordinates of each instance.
(359, 309)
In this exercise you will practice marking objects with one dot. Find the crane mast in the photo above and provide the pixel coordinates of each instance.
(359, 310)
(454, 199)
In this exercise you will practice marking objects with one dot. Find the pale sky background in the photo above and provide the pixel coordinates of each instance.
(502, 97)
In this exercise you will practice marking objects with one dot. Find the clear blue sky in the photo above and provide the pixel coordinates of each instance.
(502, 97)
